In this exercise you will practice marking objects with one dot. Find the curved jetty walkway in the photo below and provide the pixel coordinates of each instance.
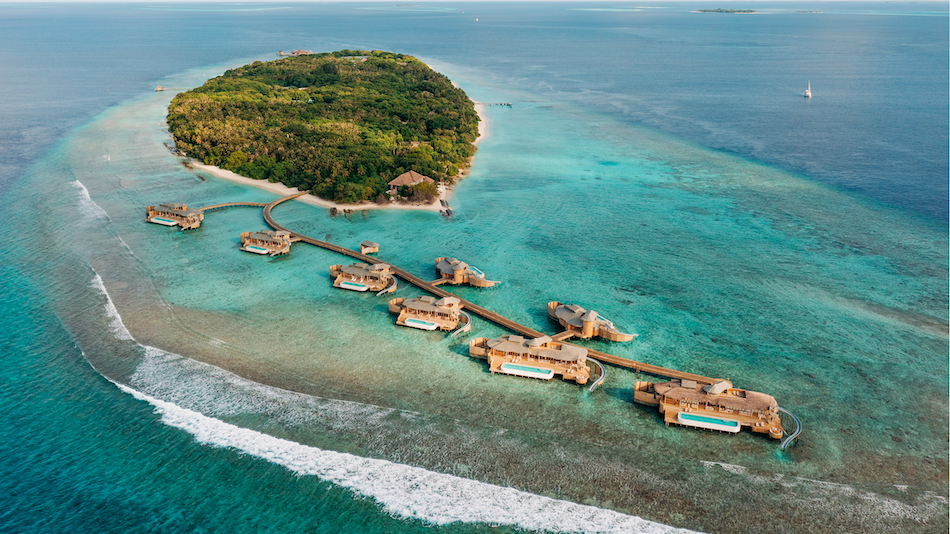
(488, 315)
(231, 205)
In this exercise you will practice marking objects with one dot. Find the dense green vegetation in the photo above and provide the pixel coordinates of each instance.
(340, 124)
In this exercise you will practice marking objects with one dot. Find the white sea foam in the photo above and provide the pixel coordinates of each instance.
(845, 497)
(87, 206)
(402, 491)
(214, 391)
(191, 389)
(117, 326)
(127, 247)
(405, 491)
(92, 211)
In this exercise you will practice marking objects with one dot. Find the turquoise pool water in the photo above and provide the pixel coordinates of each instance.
(705, 419)
(354, 286)
(539, 370)
(421, 323)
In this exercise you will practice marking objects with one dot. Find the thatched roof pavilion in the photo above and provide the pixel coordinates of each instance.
(410, 178)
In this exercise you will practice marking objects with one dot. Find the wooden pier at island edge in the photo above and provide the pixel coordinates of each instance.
(486, 314)
(766, 421)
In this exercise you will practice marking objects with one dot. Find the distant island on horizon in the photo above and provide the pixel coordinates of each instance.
(342, 125)
(725, 11)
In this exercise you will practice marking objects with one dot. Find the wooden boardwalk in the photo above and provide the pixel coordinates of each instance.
(486, 314)
(231, 205)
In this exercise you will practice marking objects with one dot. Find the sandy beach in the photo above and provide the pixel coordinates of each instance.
(283, 190)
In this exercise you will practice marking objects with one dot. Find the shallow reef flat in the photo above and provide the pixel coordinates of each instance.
(726, 268)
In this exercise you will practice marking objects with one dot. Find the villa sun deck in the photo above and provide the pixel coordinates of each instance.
(268, 242)
(540, 357)
(427, 313)
(363, 277)
(174, 215)
(716, 406)
(584, 324)
(454, 272)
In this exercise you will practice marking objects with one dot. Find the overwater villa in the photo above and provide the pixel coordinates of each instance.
(454, 272)
(540, 357)
(427, 313)
(369, 247)
(585, 324)
(716, 406)
(174, 215)
(363, 277)
(266, 242)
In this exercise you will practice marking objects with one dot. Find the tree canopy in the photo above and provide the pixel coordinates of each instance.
(339, 124)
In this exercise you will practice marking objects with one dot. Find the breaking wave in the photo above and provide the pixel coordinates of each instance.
(87, 206)
(116, 325)
(402, 491)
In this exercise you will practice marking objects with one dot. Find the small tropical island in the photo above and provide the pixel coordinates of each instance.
(726, 11)
(342, 125)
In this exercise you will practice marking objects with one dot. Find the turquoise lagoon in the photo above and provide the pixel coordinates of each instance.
(725, 267)
(161, 381)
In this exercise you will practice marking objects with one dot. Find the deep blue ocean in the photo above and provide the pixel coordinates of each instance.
(657, 164)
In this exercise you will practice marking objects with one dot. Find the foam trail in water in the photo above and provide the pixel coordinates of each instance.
(87, 206)
(127, 247)
(117, 326)
(92, 211)
(405, 491)
(845, 497)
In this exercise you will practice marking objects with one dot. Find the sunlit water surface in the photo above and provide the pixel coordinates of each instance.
(138, 355)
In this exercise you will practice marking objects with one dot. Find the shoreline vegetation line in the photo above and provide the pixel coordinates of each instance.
(283, 190)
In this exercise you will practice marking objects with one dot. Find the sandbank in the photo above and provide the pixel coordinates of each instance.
(283, 190)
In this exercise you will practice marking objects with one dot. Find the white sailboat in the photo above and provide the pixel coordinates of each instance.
(808, 91)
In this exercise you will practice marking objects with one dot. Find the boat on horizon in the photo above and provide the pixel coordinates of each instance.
(808, 91)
